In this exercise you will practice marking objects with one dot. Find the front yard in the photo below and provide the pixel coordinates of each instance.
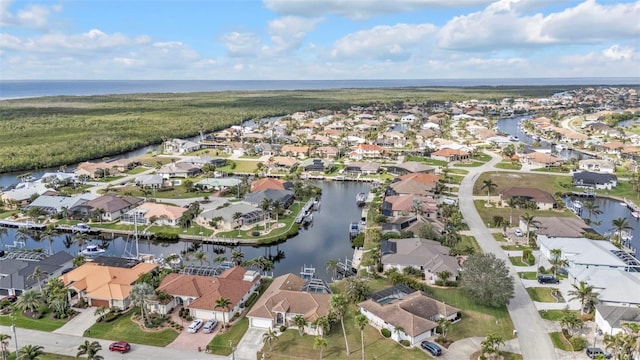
(543, 294)
(124, 329)
(44, 324)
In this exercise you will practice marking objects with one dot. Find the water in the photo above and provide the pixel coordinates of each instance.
(327, 238)
(11, 89)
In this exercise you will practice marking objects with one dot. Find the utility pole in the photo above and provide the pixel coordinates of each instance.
(13, 329)
(233, 350)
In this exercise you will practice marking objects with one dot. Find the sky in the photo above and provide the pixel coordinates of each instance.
(317, 39)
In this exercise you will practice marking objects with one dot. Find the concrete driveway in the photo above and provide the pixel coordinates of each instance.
(79, 323)
(192, 342)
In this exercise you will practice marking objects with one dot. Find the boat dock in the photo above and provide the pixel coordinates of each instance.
(305, 215)
(22, 225)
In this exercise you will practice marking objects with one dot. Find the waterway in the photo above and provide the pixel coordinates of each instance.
(327, 238)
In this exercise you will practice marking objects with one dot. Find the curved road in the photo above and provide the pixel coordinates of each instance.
(534, 340)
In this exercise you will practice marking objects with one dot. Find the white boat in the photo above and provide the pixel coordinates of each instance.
(514, 138)
(635, 214)
(92, 250)
(561, 147)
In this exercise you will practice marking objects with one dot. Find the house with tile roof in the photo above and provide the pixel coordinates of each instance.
(429, 256)
(286, 298)
(160, 214)
(363, 151)
(270, 183)
(410, 167)
(414, 313)
(110, 206)
(404, 205)
(199, 293)
(104, 285)
(449, 155)
(541, 159)
(522, 195)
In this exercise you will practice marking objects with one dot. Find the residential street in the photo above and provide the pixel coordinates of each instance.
(534, 341)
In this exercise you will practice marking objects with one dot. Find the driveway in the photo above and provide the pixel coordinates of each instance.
(79, 323)
(250, 344)
(462, 349)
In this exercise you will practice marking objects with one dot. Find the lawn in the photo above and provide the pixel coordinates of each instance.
(469, 164)
(426, 160)
(175, 192)
(155, 161)
(123, 328)
(560, 342)
(43, 324)
(220, 343)
(528, 275)
(488, 212)
(50, 356)
(137, 170)
(508, 165)
(468, 241)
(499, 237)
(505, 180)
(458, 171)
(542, 294)
(554, 315)
(514, 247)
(517, 261)
(245, 166)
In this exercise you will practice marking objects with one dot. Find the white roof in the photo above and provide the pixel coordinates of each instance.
(25, 190)
(613, 285)
(583, 251)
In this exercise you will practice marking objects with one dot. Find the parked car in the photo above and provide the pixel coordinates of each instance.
(195, 326)
(547, 279)
(518, 232)
(209, 326)
(10, 298)
(120, 346)
(593, 352)
(431, 348)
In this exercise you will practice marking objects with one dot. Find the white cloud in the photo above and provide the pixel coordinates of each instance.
(288, 33)
(31, 16)
(361, 9)
(617, 52)
(396, 42)
(503, 25)
(241, 44)
(92, 40)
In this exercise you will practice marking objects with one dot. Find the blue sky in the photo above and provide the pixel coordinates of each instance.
(318, 39)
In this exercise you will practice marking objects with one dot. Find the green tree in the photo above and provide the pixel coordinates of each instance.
(332, 268)
(100, 312)
(30, 352)
(361, 323)
(529, 220)
(490, 186)
(236, 218)
(322, 324)
(300, 322)
(357, 289)
(339, 305)
(557, 261)
(570, 321)
(78, 261)
(90, 348)
(4, 345)
(140, 293)
(486, 279)
(443, 326)
(320, 342)
(490, 345)
(38, 275)
(29, 300)
(620, 225)
(201, 257)
(269, 337)
(237, 257)
(223, 303)
(586, 294)
(592, 209)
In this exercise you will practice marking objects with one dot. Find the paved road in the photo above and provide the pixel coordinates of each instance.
(534, 341)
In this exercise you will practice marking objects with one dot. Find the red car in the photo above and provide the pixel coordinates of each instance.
(120, 346)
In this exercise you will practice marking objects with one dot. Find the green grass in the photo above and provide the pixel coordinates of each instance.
(175, 192)
(488, 212)
(42, 324)
(560, 342)
(468, 241)
(426, 160)
(554, 315)
(514, 247)
(123, 328)
(241, 166)
(505, 180)
(517, 261)
(528, 275)
(542, 294)
(508, 165)
(220, 343)
(6, 213)
(137, 170)
(51, 356)
(499, 237)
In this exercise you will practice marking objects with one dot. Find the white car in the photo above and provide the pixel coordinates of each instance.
(518, 232)
(195, 326)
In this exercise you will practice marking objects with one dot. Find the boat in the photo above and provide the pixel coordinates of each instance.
(308, 219)
(636, 214)
(173, 260)
(361, 198)
(561, 147)
(514, 138)
(354, 229)
(92, 250)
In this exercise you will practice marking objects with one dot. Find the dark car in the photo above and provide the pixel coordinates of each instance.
(120, 346)
(548, 279)
(10, 298)
(593, 352)
(431, 347)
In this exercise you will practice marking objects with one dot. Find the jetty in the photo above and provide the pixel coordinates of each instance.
(22, 225)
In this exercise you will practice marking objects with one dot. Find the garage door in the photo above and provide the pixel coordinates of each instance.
(98, 303)
(260, 323)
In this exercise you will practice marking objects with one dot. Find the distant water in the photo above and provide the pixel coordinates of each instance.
(12, 89)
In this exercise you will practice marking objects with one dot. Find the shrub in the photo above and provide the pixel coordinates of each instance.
(283, 328)
(161, 235)
(255, 233)
(578, 343)
(189, 318)
(542, 270)
(405, 342)
(386, 333)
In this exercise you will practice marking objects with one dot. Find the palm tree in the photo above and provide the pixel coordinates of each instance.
(265, 205)
(236, 217)
(4, 344)
(201, 257)
(320, 342)
(489, 185)
(356, 289)
(269, 337)
(38, 275)
(100, 312)
(140, 293)
(490, 344)
(30, 352)
(444, 276)
(592, 209)
(22, 234)
(29, 300)
(237, 257)
(300, 322)
(443, 325)
(339, 306)
(90, 349)
(620, 225)
(529, 220)
(49, 235)
(276, 206)
(223, 303)
(81, 238)
(585, 293)
(361, 323)
(557, 261)
(322, 324)
(332, 267)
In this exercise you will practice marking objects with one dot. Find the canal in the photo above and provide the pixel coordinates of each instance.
(325, 239)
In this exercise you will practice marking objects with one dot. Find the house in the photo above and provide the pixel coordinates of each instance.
(295, 151)
(326, 152)
(283, 163)
(597, 165)
(17, 266)
(110, 206)
(561, 227)
(428, 256)
(411, 186)
(541, 159)
(316, 165)
(270, 183)
(403, 205)
(218, 184)
(149, 181)
(523, 195)
(249, 215)
(407, 314)
(585, 253)
(288, 296)
(610, 319)
(154, 213)
(449, 155)
(199, 293)
(180, 146)
(284, 197)
(362, 168)
(615, 287)
(106, 281)
(363, 151)
(410, 167)
(595, 180)
(24, 192)
(95, 170)
(52, 204)
(179, 169)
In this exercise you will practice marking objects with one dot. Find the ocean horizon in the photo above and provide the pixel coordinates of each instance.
(17, 89)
